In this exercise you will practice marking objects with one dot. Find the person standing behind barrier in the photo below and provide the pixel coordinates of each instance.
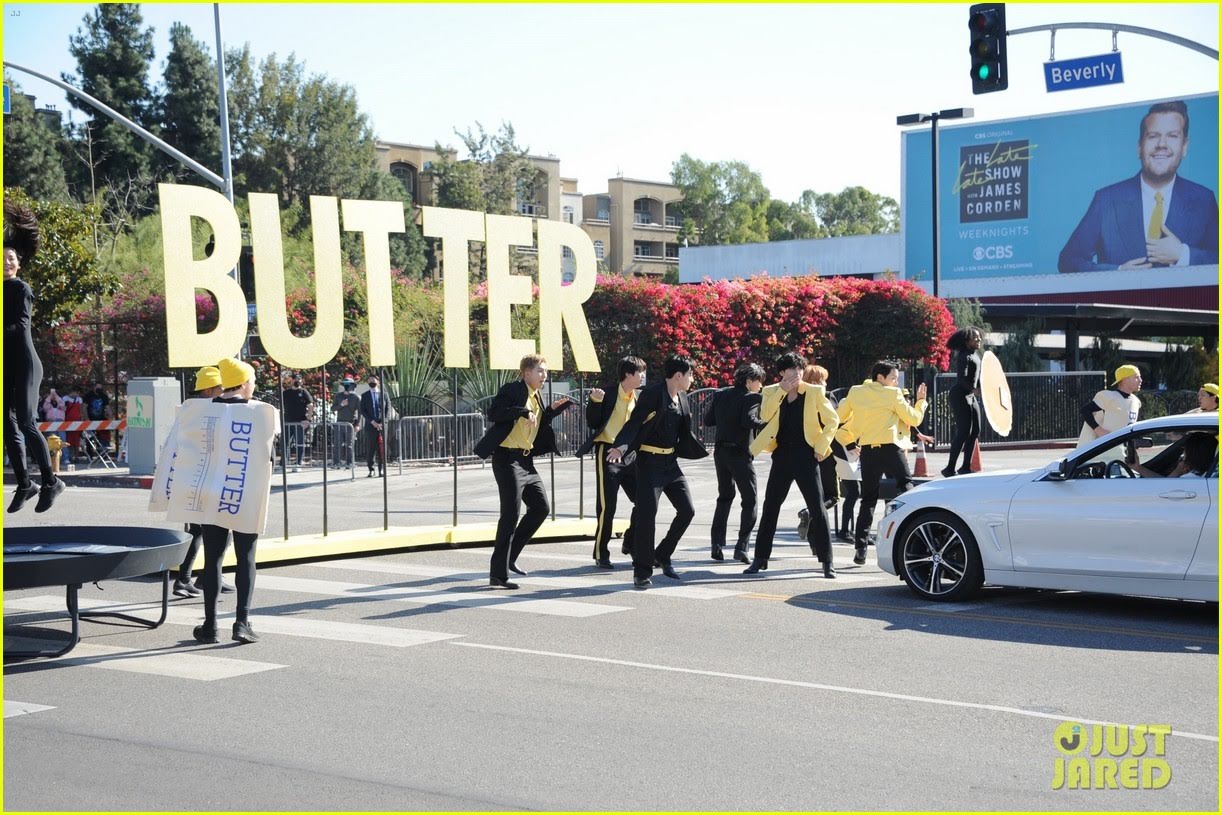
(97, 406)
(74, 411)
(521, 429)
(658, 433)
(801, 423)
(606, 416)
(964, 398)
(1207, 399)
(373, 411)
(734, 411)
(880, 420)
(347, 407)
(1115, 408)
(238, 381)
(22, 367)
(297, 402)
(207, 386)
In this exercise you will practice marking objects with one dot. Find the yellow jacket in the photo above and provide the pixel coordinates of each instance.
(879, 414)
(819, 420)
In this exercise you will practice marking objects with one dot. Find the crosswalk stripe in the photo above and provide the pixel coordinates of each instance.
(269, 624)
(179, 665)
(12, 708)
(542, 581)
(430, 597)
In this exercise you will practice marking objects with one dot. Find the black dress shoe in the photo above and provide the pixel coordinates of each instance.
(829, 572)
(604, 564)
(47, 495)
(964, 471)
(370, 474)
(641, 582)
(670, 572)
(756, 568)
(717, 554)
(500, 583)
(859, 557)
(948, 472)
(242, 632)
(205, 634)
(513, 567)
(22, 495)
(741, 556)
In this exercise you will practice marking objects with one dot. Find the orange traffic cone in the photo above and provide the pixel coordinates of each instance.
(976, 457)
(921, 470)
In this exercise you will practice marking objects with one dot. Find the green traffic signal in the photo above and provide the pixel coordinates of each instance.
(983, 73)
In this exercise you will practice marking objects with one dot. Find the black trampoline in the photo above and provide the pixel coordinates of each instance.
(71, 556)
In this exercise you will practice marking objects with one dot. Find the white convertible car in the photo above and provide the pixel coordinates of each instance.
(1102, 519)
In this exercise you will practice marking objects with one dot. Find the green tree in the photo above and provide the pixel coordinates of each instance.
(857, 211)
(1018, 353)
(1184, 367)
(295, 135)
(968, 313)
(64, 273)
(189, 107)
(31, 151)
(725, 202)
(796, 221)
(1106, 355)
(113, 52)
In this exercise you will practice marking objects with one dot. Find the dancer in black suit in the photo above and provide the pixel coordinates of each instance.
(734, 412)
(521, 429)
(657, 435)
(607, 412)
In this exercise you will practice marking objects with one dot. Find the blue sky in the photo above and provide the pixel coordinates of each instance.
(805, 94)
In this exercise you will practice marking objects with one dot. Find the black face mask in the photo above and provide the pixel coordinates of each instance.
(373, 384)
(350, 386)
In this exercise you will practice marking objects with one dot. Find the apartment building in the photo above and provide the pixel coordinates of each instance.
(631, 225)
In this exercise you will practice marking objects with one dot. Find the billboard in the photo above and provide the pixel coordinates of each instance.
(1125, 187)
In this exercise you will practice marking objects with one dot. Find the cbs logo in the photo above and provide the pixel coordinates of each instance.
(993, 252)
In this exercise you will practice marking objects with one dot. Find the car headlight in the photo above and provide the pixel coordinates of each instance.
(892, 507)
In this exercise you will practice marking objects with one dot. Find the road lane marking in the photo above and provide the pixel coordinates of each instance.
(264, 624)
(175, 664)
(557, 582)
(430, 597)
(796, 683)
(12, 708)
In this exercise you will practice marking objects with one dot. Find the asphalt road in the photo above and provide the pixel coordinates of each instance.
(401, 682)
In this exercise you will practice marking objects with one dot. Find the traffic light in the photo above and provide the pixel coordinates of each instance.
(246, 272)
(987, 22)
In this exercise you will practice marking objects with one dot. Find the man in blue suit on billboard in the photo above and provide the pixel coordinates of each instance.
(1156, 218)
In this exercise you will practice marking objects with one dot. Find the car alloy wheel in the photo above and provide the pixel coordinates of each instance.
(938, 558)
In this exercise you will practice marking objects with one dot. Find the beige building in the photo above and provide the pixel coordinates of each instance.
(631, 225)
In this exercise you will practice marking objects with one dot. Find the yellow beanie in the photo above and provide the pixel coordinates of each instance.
(207, 377)
(234, 372)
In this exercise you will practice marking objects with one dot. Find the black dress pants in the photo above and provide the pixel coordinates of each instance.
(735, 469)
(609, 479)
(788, 468)
(877, 461)
(375, 439)
(966, 408)
(216, 540)
(657, 475)
(517, 482)
(852, 491)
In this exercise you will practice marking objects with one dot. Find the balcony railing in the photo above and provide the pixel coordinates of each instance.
(531, 209)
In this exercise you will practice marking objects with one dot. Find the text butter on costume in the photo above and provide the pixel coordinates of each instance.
(235, 467)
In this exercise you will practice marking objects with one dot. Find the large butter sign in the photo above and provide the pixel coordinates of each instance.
(560, 305)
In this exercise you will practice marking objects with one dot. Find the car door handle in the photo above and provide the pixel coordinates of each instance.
(1178, 495)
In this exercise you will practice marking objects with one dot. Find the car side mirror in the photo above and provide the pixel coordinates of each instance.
(1143, 442)
(1062, 470)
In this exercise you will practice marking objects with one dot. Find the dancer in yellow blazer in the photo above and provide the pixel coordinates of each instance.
(881, 420)
(801, 422)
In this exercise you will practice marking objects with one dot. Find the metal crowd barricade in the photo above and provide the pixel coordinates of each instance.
(1046, 406)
